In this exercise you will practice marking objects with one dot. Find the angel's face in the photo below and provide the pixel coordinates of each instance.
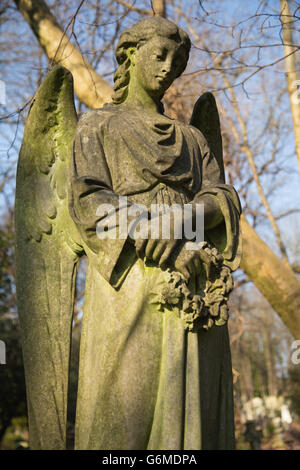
(156, 64)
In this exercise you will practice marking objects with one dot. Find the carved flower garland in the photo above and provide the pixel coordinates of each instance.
(208, 305)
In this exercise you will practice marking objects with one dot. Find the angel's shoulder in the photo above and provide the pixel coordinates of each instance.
(195, 131)
(96, 118)
(198, 135)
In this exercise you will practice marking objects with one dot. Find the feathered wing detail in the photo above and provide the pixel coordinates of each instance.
(47, 250)
(227, 239)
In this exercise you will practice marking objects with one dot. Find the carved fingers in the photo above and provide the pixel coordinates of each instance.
(159, 244)
(190, 263)
(155, 250)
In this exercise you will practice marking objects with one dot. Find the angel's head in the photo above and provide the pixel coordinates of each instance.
(153, 52)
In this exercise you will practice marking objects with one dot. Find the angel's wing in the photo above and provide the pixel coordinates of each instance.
(206, 118)
(47, 250)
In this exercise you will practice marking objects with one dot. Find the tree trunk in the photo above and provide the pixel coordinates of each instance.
(270, 362)
(292, 76)
(159, 8)
(3, 428)
(245, 367)
(272, 277)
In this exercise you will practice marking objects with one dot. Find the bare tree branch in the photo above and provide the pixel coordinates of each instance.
(89, 86)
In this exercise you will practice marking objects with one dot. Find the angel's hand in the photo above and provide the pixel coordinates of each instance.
(160, 246)
(190, 262)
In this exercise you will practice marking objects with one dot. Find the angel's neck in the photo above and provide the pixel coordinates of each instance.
(138, 96)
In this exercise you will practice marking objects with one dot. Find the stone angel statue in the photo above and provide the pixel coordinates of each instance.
(155, 365)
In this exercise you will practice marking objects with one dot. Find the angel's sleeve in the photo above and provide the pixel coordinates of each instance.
(91, 190)
(227, 235)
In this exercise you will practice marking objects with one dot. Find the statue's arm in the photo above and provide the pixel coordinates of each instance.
(222, 206)
(91, 194)
(212, 176)
(217, 196)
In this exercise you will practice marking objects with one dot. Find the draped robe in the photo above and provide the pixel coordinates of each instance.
(145, 382)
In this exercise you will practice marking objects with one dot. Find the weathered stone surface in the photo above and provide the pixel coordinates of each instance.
(45, 257)
(155, 367)
(150, 376)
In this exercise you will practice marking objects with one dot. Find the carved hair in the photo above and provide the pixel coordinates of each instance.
(136, 36)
